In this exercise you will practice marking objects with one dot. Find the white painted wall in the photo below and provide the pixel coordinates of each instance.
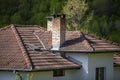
(90, 62)
(81, 58)
(44, 75)
(116, 73)
(49, 76)
(100, 60)
(5, 75)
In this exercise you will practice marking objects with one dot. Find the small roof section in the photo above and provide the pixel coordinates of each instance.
(117, 59)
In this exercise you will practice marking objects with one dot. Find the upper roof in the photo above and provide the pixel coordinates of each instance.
(78, 41)
(17, 51)
(20, 48)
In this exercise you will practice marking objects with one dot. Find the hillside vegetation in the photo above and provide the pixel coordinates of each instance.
(98, 17)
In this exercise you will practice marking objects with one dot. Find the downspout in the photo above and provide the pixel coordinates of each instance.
(39, 40)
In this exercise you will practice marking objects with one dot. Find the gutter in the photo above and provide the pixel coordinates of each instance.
(43, 69)
(14, 70)
(81, 51)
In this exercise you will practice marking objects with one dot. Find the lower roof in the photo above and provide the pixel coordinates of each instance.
(117, 60)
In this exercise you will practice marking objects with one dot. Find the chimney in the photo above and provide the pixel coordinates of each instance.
(57, 25)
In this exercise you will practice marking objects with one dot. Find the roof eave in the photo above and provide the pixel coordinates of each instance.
(42, 69)
(86, 51)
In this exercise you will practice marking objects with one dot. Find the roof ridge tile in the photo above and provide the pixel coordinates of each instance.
(4, 28)
(19, 41)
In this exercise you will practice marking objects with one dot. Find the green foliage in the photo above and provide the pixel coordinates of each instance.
(16, 19)
(28, 11)
(18, 76)
(29, 76)
(99, 17)
(75, 10)
(56, 6)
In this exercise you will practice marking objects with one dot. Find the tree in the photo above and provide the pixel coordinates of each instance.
(75, 10)
(40, 9)
(56, 6)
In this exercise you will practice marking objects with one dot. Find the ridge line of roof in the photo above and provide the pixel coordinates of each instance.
(20, 43)
(18, 25)
(5, 27)
(101, 38)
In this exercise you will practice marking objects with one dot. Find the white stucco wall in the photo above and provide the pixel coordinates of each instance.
(100, 60)
(81, 58)
(89, 64)
(43, 75)
(5, 75)
(116, 73)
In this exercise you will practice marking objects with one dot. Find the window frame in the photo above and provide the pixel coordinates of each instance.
(100, 73)
(58, 73)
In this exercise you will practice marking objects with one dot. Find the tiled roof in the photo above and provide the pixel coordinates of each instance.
(10, 51)
(117, 59)
(101, 44)
(20, 47)
(75, 40)
(17, 50)
(46, 37)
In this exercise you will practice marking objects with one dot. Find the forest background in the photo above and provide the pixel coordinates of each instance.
(98, 17)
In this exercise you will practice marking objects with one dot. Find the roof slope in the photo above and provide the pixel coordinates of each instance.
(76, 40)
(10, 51)
(17, 50)
(101, 44)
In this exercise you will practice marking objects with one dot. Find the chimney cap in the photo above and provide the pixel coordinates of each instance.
(49, 17)
(59, 15)
(56, 15)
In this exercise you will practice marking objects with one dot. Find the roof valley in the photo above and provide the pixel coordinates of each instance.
(87, 42)
(21, 45)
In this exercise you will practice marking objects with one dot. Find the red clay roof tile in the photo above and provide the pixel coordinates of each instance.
(10, 51)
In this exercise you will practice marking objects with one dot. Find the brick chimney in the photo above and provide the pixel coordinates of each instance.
(57, 25)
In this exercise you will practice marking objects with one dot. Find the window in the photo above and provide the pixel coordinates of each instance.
(58, 73)
(100, 73)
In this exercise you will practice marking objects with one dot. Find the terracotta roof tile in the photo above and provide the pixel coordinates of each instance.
(101, 44)
(75, 41)
(10, 51)
(46, 37)
(117, 59)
